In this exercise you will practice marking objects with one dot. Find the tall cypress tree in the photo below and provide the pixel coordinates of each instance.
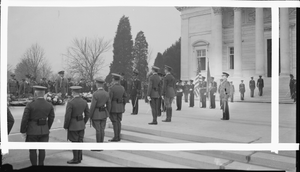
(159, 61)
(140, 54)
(123, 44)
(172, 58)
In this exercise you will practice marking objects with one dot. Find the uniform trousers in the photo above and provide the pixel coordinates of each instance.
(186, 95)
(242, 95)
(203, 100)
(116, 119)
(99, 126)
(212, 100)
(252, 93)
(260, 91)
(155, 106)
(76, 136)
(33, 152)
(179, 102)
(135, 104)
(192, 99)
(168, 103)
(225, 109)
(160, 106)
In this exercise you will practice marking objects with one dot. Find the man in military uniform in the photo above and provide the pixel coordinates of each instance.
(75, 122)
(192, 95)
(203, 93)
(242, 89)
(225, 94)
(13, 85)
(36, 122)
(99, 110)
(186, 91)
(212, 93)
(70, 84)
(252, 87)
(136, 89)
(32, 83)
(25, 89)
(260, 85)
(292, 85)
(123, 82)
(153, 94)
(168, 92)
(117, 97)
(61, 85)
(145, 92)
(232, 91)
(221, 80)
(161, 107)
(179, 94)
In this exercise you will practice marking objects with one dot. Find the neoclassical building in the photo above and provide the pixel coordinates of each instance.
(235, 40)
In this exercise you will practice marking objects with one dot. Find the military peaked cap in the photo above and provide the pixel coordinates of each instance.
(61, 72)
(155, 67)
(12, 75)
(99, 80)
(226, 74)
(168, 67)
(116, 76)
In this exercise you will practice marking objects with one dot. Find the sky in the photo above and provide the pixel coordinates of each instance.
(54, 29)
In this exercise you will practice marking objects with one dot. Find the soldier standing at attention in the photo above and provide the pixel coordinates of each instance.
(117, 96)
(153, 94)
(70, 84)
(161, 107)
(186, 91)
(75, 122)
(292, 84)
(242, 89)
(168, 92)
(25, 89)
(212, 92)
(123, 82)
(260, 85)
(221, 80)
(13, 85)
(224, 94)
(179, 91)
(203, 92)
(36, 122)
(192, 96)
(252, 87)
(99, 110)
(136, 89)
(61, 84)
(232, 90)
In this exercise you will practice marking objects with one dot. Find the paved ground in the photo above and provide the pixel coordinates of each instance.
(249, 122)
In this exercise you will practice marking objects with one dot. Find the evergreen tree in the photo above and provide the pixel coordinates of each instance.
(140, 54)
(172, 58)
(123, 44)
(159, 61)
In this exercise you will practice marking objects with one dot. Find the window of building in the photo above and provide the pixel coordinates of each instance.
(201, 59)
(231, 58)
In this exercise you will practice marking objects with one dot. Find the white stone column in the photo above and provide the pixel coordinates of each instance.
(284, 42)
(184, 65)
(237, 42)
(259, 42)
(216, 45)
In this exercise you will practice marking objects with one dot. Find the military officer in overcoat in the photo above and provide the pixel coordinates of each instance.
(99, 110)
(25, 89)
(75, 121)
(13, 85)
(224, 95)
(221, 80)
(124, 83)
(252, 87)
(117, 97)
(61, 84)
(168, 92)
(153, 94)
(36, 122)
(260, 85)
(242, 89)
(161, 106)
(212, 93)
(192, 95)
(203, 92)
(186, 91)
(136, 91)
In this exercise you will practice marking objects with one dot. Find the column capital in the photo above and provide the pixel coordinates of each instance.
(217, 10)
(237, 9)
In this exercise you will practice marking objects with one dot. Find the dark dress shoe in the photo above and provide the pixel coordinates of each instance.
(134, 114)
(73, 162)
(153, 123)
(114, 140)
(96, 150)
(166, 120)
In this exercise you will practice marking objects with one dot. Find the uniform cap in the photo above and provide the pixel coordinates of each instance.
(242, 80)
(99, 80)
(191, 80)
(75, 88)
(116, 76)
(37, 87)
(155, 67)
(259, 75)
(168, 67)
(61, 72)
(291, 75)
(212, 78)
(226, 74)
(203, 77)
(12, 75)
(251, 76)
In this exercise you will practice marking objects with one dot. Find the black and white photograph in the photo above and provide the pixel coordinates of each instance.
(149, 74)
